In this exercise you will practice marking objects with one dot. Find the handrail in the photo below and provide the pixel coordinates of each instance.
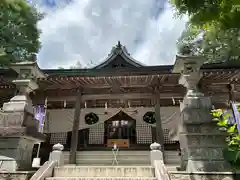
(44, 171)
(161, 171)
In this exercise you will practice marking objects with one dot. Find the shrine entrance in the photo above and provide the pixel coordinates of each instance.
(120, 129)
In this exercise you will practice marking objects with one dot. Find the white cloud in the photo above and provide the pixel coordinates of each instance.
(86, 30)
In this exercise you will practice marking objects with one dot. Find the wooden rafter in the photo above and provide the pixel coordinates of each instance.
(223, 77)
(101, 82)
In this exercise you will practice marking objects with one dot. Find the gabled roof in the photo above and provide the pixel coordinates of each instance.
(121, 115)
(119, 58)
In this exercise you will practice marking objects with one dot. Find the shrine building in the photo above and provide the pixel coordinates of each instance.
(120, 101)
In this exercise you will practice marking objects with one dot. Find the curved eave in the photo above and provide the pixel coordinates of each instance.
(128, 57)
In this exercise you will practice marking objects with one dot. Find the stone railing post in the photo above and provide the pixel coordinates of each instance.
(200, 140)
(156, 158)
(156, 153)
(57, 154)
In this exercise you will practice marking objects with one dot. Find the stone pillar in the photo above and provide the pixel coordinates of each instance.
(156, 153)
(200, 140)
(159, 130)
(18, 127)
(75, 128)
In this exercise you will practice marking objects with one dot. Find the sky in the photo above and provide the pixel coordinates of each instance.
(83, 32)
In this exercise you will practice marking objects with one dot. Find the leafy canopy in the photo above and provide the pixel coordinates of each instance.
(220, 21)
(215, 45)
(19, 35)
(224, 14)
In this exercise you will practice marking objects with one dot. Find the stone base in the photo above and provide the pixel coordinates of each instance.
(202, 148)
(16, 153)
(204, 176)
(20, 175)
(207, 166)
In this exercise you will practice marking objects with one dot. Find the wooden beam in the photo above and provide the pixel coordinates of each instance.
(159, 129)
(116, 96)
(75, 128)
(97, 86)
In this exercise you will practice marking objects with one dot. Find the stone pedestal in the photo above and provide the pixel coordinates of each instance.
(18, 134)
(18, 151)
(201, 141)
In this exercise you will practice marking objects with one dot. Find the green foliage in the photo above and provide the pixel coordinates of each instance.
(19, 36)
(224, 14)
(216, 45)
(222, 45)
(187, 39)
(220, 20)
(232, 153)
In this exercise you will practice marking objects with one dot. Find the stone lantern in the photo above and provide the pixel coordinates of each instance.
(18, 127)
(189, 67)
(200, 140)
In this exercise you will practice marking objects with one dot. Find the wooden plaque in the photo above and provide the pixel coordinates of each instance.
(120, 142)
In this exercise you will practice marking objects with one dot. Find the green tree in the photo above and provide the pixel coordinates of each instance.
(19, 35)
(207, 14)
(215, 45)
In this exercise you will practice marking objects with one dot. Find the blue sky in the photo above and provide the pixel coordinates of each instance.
(84, 31)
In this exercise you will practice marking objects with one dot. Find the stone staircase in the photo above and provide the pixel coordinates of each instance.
(103, 173)
(103, 158)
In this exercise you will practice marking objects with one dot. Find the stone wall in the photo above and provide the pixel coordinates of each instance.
(22, 175)
(204, 176)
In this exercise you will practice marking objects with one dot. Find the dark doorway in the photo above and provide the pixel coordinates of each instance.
(120, 127)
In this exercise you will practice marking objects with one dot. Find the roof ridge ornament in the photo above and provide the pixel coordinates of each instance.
(118, 49)
(119, 45)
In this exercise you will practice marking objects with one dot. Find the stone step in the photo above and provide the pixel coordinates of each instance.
(173, 159)
(108, 151)
(124, 157)
(104, 162)
(132, 153)
(106, 157)
(132, 162)
(172, 167)
(101, 178)
(104, 171)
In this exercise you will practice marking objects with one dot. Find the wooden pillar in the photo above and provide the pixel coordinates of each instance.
(75, 128)
(159, 129)
(231, 90)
